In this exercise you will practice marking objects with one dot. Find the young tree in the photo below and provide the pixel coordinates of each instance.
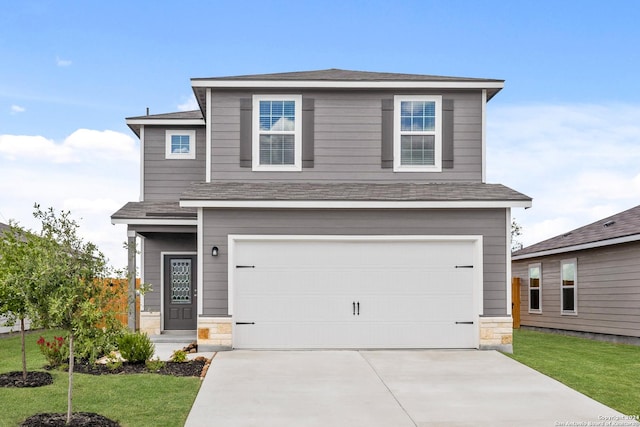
(516, 230)
(70, 294)
(18, 276)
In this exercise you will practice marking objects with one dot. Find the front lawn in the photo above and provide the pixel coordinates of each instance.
(608, 373)
(132, 400)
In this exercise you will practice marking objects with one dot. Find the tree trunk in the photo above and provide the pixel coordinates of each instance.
(24, 352)
(70, 391)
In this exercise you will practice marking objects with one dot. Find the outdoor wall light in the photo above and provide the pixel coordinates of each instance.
(214, 251)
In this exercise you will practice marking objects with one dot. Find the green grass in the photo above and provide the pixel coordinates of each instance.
(608, 373)
(132, 400)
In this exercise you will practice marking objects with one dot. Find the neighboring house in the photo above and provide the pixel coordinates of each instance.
(3, 227)
(586, 280)
(325, 209)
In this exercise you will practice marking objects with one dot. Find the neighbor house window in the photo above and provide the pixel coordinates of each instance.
(568, 286)
(535, 288)
(180, 144)
(277, 135)
(417, 139)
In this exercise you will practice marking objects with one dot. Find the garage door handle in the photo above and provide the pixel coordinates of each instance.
(464, 266)
(464, 323)
(245, 266)
(358, 308)
(245, 323)
(354, 308)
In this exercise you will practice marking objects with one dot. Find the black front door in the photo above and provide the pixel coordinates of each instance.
(180, 292)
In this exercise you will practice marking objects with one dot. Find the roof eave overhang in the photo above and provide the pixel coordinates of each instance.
(339, 204)
(345, 84)
(135, 124)
(581, 247)
(153, 221)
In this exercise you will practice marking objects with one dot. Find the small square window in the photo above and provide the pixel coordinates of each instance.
(180, 144)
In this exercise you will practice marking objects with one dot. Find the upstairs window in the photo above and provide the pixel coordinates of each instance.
(535, 288)
(568, 287)
(277, 136)
(180, 144)
(417, 139)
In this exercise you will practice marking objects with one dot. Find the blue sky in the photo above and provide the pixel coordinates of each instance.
(564, 130)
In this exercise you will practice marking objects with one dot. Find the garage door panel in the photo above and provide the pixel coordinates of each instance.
(301, 294)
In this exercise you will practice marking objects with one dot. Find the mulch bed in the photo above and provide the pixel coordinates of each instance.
(34, 379)
(191, 368)
(78, 419)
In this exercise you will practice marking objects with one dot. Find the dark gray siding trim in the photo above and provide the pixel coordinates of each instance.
(308, 132)
(154, 244)
(608, 291)
(246, 107)
(447, 134)
(387, 133)
(490, 223)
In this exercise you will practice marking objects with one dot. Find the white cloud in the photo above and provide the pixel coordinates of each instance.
(62, 62)
(579, 163)
(17, 109)
(81, 145)
(189, 104)
(91, 173)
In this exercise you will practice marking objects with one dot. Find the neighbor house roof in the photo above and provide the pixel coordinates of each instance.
(185, 118)
(3, 227)
(354, 194)
(619, 228)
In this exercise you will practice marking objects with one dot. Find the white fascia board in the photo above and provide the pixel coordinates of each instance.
(154, 221)
(311, 204)
(345, 84)
(592, 245)
(176, 122)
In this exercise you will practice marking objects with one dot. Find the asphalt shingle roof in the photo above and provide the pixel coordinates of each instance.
(188, 115)
(356, 191)
(626, 223)
(158, 209)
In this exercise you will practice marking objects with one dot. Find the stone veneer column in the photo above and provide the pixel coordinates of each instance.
(496, 333)
(214, 333)
(150, 322)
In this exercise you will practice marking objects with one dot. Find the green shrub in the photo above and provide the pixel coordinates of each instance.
(154, 364)
(179, 356)
(56, 352)
(136, 347)
(95, 343)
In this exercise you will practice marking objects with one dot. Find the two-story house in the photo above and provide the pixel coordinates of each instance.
(325, 209)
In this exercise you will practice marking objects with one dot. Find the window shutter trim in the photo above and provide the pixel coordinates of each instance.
(447, 134)
(387, 134)
(246, 109)
(308, 132)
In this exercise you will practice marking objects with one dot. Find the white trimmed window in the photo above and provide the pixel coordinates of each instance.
(569, 286)
(417, 135)
(180, 144)
(535, 288)
(277, 133)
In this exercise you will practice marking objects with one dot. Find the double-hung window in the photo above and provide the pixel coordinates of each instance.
(277, 132)
(569, 286)
(417, 139)
(535, 288)
(180, 144)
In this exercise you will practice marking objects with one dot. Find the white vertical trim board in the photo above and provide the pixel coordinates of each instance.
(142, 163)
(141, 271)
(208, 136)
(200, 261)
(484, 135)
(162, 255)
(508, 261)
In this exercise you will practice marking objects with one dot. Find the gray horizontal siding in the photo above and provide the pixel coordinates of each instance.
(347, 139)
(154, 244)
(490, 223)
(166, 179)
(608, 291)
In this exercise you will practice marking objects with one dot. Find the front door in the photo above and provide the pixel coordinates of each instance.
(180, 292)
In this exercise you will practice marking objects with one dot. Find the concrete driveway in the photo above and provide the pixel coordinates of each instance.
(386, 388)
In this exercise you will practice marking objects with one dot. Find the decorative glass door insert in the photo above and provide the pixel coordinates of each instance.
(180, 281)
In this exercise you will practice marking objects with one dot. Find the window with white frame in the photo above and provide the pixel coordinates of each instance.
(569, 286)
(417, 138)
(180, 144)
(277, 135)
(535, 288)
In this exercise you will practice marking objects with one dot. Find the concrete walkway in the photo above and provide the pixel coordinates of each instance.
(386, 388)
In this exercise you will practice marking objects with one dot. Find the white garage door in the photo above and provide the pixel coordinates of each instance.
(355, 293)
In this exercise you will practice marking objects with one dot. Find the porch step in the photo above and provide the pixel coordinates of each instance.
(177, 337)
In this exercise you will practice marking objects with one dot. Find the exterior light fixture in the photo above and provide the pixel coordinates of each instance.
(214, 251)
